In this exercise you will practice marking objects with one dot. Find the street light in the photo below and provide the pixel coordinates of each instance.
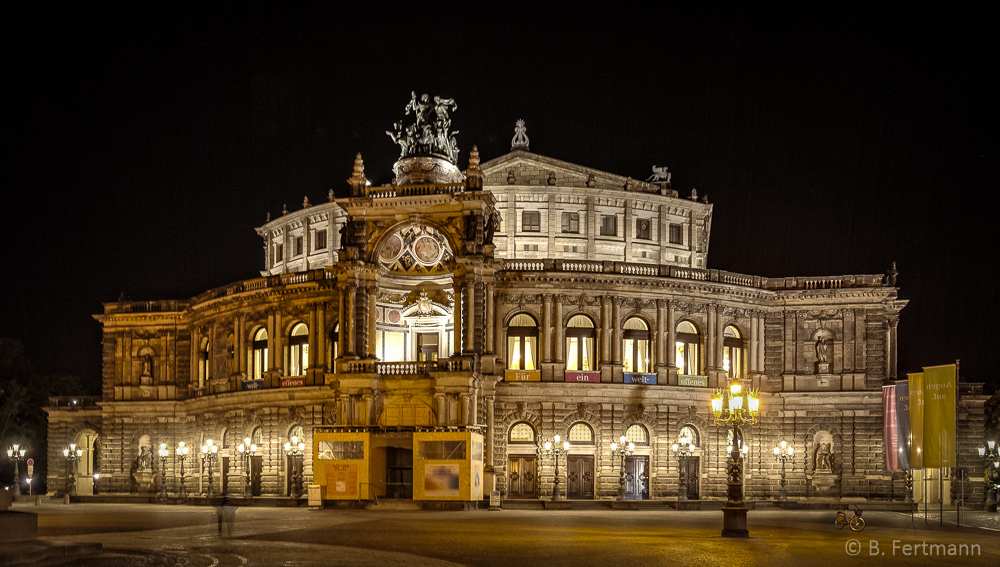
(683, 451)
(182, 451)
(16, 454)
(164, 452)
(625, 448)
(246, 451)
(209, 452)
(991, 473)
(734, 407)
(72, 455)
(554, 448)
(295, 451)
(783, 452)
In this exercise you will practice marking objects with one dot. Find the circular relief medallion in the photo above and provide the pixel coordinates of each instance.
(391, 249)
(427, 250)
(394, 316)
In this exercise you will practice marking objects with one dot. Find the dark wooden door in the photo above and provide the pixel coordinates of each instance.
(637, 478)
(580, 477)
(693, 481)
(256, 469)
(399, 473)
(521, 477)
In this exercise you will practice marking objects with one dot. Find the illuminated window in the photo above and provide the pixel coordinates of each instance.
(259, 358)
(522, 432)
(609, 225)
(643, 229)
(687, 343)
(390, 346)
(581, 434)
(581, 339)
(531, 221)
(204, 363)
(333, 345)
(732, 352)
(637, 434)
(522, 343)
(298, 344)
(635, 346)
(571, 222)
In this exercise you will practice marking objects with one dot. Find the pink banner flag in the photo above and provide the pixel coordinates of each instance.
(890, 429)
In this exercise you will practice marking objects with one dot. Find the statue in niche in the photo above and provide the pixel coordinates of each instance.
(145, 458)
(823, 457)
(147, 366)
(822, 348)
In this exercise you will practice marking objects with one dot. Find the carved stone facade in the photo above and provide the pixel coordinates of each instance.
(523, 299)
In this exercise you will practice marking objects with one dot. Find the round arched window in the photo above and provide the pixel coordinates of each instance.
(298, 355)
(635, 345)
(581, 434)
(637, 434)
(521, 432)
(732, 352)
(687, 343)
(581, 343)
(522, 342)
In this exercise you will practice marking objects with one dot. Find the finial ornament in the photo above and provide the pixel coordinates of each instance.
(358, 180)
(474, 176)
(429, 133)
(329, 195)
(305, 202)
(520, 140)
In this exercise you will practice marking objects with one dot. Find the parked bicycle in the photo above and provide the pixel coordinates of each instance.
(856, 522)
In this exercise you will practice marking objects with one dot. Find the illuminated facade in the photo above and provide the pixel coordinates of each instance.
(424, 337)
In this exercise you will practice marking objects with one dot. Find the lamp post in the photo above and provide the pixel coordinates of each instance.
(991, 473)
(72, 455)
(625, 447)
(783, 452)
(683, 450)
(734, 407)
(295, 450)
(210, 452)
(182, 451)
(555, 448)
(163, 452)
(16, 454)
(246, 451)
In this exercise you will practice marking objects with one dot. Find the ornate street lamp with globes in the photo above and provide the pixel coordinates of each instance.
(209, 453)
(295, 450)
(623, 449)
(735, 408)
(164, 453)
(72, 455)
(782, 453)
(246, 451)
(683, 450)
(16, 454)
(991, 473)
(182, 452)
(555, 448)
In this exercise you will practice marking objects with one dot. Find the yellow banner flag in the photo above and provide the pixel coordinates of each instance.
(939, 416)
(916, 420)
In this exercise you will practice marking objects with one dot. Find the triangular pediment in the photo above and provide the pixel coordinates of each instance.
(534, 169)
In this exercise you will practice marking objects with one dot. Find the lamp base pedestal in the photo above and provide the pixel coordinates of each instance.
(734, 522)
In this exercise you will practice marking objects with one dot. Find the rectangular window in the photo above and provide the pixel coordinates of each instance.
(609, 225)
(278, 249)
(329, 450)
(320, 239)
(442, 450)
(571, 222)
(531, 221)
(298, 245)
(675, 234)
(642, 229)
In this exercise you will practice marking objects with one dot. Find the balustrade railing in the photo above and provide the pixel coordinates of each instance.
(74, 402)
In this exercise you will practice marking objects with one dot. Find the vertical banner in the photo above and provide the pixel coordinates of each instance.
(890, 429)
(903, 424)
(916, 420)
(939, 416)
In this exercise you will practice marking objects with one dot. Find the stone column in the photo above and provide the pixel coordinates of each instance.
(719, 335)
(490, 346)
(752, 344)
(490, 429)
(891, 345)
(660, 358)
(466, 409)
(195, 352)
(321, 336)
(313, 337)
(342, 321)
(470, 315)
(559, 330)
(369, 408)
(604, 334)
(671, 335)
(616, 332)
(239, 346)
(370, 335)
(545, 336)
(500, 340)
(760, 342)
(710, 336)
(348, 324)
(459, 284)
(441, 409)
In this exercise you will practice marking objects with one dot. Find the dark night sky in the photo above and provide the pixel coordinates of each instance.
(140, 149)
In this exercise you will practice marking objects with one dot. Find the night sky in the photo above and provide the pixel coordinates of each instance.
(141, 149)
